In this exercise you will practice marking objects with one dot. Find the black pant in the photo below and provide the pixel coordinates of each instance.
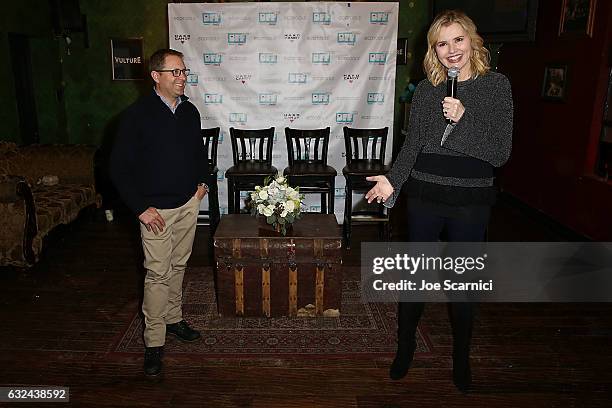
(461, 224)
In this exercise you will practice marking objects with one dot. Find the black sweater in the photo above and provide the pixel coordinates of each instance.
(158, 158)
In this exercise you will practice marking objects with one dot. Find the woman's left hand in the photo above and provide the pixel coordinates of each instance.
(452, 108)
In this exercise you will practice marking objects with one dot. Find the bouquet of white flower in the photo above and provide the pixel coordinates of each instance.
(278, 202)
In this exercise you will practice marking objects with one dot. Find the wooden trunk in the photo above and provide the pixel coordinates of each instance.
(261, 273)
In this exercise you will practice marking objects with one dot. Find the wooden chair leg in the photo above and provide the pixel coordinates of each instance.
(331, 196)
(237, 200)
(213, 210)
(348, 212)
(323, 203)
(230, 195)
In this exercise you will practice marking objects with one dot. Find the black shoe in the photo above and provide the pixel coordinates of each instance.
(403, 360)
(462, 373)
(153, 361)
(182, 331)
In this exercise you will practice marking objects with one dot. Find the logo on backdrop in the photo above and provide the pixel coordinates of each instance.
(297, 77)
(320, 98)
(221, 176)
(317, 37)
(243, 77)
(182, 37)
(213, 79)
(295, 18)
(241, 58)
(269, 18)
(294, 58)
(292, 36)
(322, 78)
(291, 117)
(268, 58)
(213, 99)
(238, 118)
(379, 58)
(239, 18)
(379, 78)
(321, 17)
(208, 38)
(264, 38)
(211, 19)
(350, 78)
(371, 117)
(267, 99)
(376, 38)
(352, 58)
(192, 79)
(236, 38)
(347, 38)
(244, 98)
(344, 118)
(377, 98)
(294, 98)
(213, 58)
(323, 58)
(379, 17)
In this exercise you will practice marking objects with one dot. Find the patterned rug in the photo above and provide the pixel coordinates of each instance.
(361, 329)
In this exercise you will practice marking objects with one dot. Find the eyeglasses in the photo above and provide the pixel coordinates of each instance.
(175, 72)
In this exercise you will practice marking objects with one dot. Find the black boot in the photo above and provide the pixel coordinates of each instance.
(462, 373)
(153, 361)
(408, 315)
(462, 317)
(403, 360)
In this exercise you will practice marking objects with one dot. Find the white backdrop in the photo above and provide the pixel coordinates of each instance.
(302, 65)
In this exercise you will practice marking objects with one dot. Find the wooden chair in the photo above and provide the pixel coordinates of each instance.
(210, 138)
(365, 156)
(252, 155)
(308, 169)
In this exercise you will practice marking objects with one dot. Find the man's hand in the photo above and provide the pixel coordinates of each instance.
(152, 220)
(201, 192)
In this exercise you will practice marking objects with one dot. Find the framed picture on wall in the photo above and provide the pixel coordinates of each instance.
(127, 59)
(577, 17)
(554, 86)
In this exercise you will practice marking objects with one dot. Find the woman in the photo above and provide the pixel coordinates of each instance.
(449, 179)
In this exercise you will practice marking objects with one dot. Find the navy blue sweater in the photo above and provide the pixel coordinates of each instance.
(158, 157)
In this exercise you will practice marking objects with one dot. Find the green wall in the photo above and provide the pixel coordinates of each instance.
(30, 17)
(92, 101)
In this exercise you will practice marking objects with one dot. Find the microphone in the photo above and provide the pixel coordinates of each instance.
(451, 85)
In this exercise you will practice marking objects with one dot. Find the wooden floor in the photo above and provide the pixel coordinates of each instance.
(61, 318)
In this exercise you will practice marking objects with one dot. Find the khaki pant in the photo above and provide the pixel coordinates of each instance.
(166, 256)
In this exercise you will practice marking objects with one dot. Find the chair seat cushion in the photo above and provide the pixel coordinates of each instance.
(251, 169)
(365, 167)
(310, 169)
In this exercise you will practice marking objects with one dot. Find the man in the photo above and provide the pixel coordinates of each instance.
(158, 168)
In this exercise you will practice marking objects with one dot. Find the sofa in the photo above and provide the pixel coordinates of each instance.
(41, 187)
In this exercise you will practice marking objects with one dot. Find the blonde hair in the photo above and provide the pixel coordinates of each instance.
(479, 60)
